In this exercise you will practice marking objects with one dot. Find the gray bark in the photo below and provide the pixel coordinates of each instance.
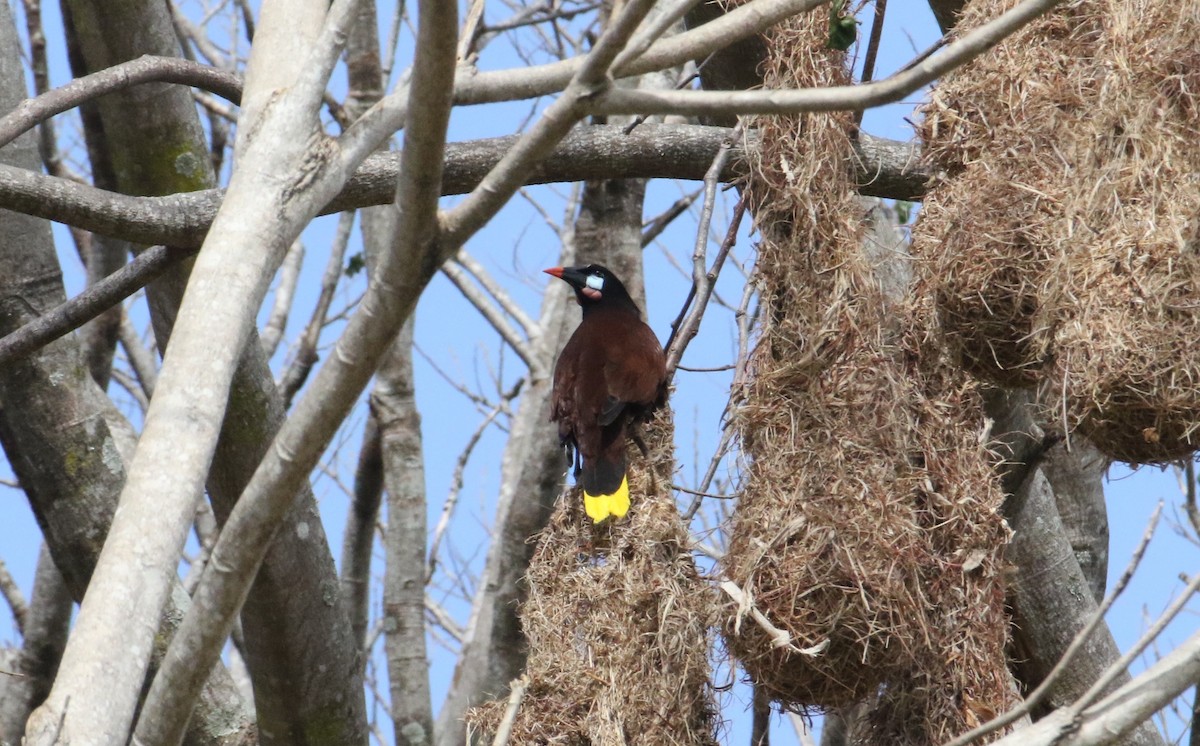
(397, 446)
(36, 662)
(299, 646)
(394, 404)
(1077, 478)
(64, 439)
(359, 536)
(1050, 597)
(366, 87)
(104, 254)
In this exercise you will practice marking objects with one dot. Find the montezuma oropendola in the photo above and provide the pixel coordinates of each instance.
(611, 373)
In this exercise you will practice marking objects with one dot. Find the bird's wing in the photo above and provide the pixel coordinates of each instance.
(634, 371)
(563, 406)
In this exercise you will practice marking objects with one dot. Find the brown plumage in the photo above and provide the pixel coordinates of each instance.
(611, 373)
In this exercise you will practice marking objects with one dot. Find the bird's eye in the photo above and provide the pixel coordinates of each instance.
(595, 282)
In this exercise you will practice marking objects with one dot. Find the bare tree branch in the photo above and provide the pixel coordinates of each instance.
(146, 69)
(289, 275)
(503, 85)
(45, 635)
(13, 596)
(140, 358)
(305, 357)
(92, 302)
(1027, 706)
(529, 327)
(1121, 711)
(685, 327)
(490, 311)
(885, 168)
(833, 98)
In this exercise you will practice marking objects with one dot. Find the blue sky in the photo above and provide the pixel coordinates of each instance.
(452, 337)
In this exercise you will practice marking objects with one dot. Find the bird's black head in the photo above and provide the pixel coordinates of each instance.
(594, 285)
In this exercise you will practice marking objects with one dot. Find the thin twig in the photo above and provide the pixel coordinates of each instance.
(1116, 669)
(495, 317)
(659, 224)
(140, 357)
(456, 483)
(529, 326)
(708, 280)
(1189, 505)
(718, 455)
(504, 731)
(289, 276)
(445, 620)
(306, 354)
(698, 493)
(685, 326)
(872, 51)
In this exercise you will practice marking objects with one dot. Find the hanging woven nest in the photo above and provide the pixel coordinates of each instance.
(1123, 296)
(865, 544)
(618, 623)
(992, 221)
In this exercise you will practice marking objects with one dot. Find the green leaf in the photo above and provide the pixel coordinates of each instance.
(843, 29)
(355, 264)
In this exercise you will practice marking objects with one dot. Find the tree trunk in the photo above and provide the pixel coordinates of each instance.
(297, 643)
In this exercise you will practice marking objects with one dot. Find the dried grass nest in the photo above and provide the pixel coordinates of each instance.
(1064, 239)
(1123, 298)
(867, 530)
(987, 227)
(618, 622)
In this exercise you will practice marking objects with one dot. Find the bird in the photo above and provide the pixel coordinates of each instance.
(610, 376)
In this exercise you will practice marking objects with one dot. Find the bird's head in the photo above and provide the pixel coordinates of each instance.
(593, 284)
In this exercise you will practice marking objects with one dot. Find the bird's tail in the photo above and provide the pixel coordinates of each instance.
(600, 507)
(605, 487)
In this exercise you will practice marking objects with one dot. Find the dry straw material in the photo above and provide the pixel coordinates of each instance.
(867, 529)
(987, 226)
(1123, 292)
(1063, 237)
(618, 625)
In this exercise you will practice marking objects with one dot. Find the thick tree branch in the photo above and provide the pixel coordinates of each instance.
(885, 168)
(146, 69)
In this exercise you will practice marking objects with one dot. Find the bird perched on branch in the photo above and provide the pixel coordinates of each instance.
(611, 375)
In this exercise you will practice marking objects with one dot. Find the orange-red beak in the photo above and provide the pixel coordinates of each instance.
(554, 271)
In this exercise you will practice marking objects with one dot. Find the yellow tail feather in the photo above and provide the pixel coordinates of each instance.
(600, 507)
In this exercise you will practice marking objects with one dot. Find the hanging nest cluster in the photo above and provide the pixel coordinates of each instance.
(987, 227)
(618, 624)
(867, 530)
(1063, 242)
